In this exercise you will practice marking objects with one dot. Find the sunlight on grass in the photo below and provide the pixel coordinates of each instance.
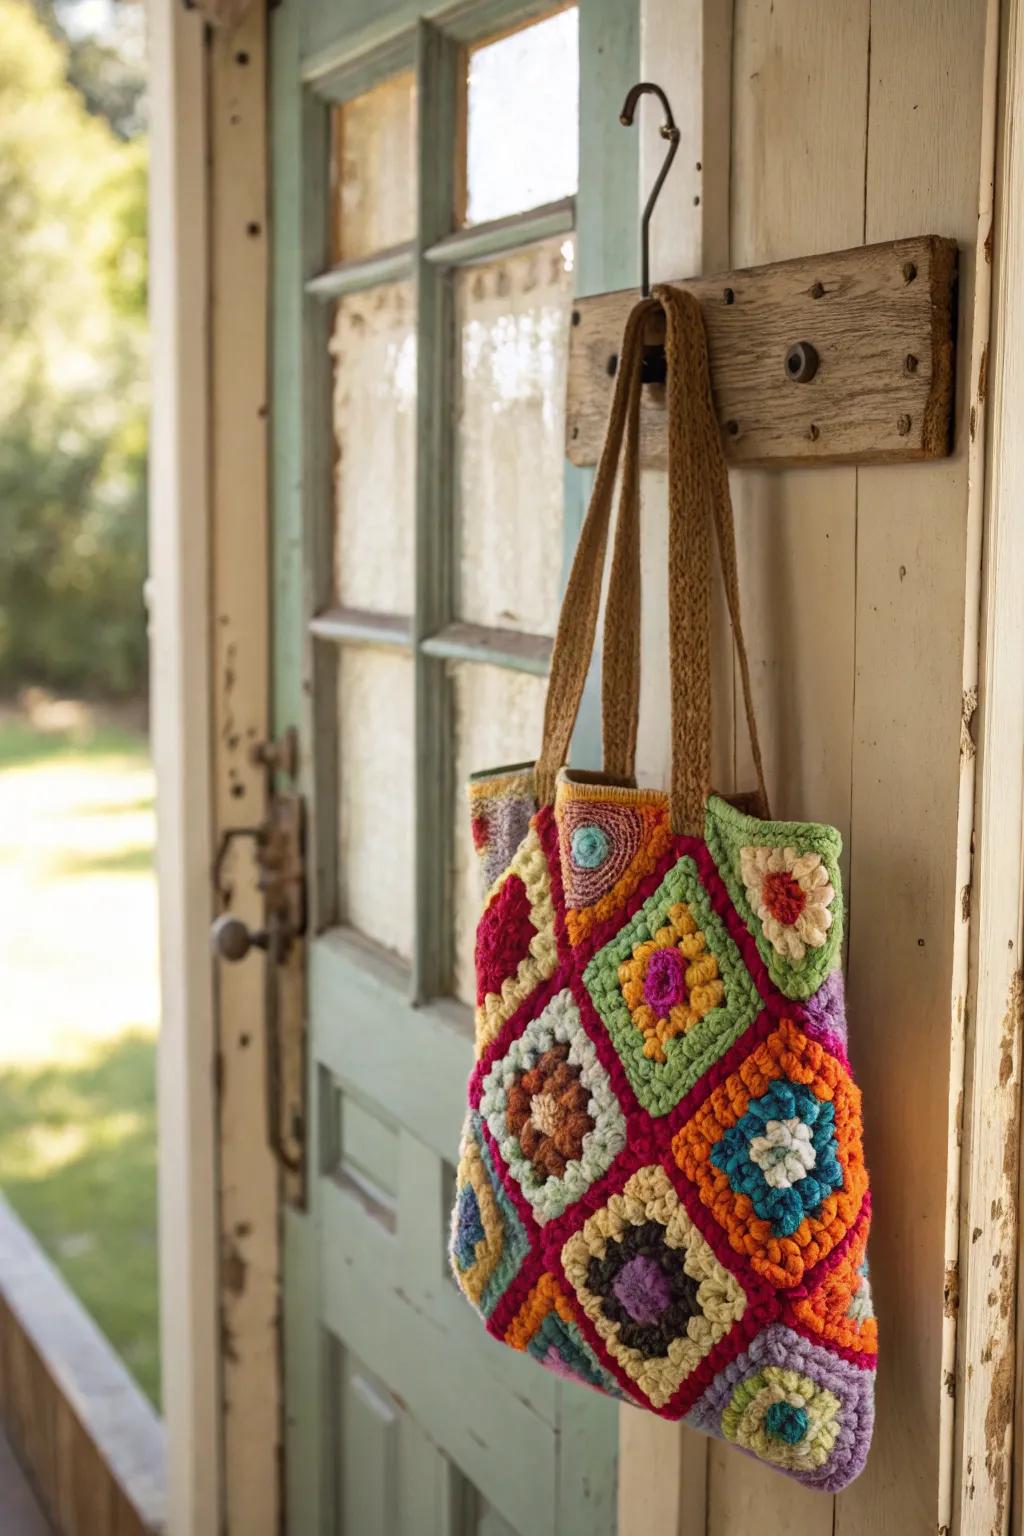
(78, 1045)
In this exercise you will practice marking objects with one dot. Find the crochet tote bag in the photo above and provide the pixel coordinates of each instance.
(661, 1189)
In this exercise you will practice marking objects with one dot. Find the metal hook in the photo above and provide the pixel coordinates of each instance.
(670, 132)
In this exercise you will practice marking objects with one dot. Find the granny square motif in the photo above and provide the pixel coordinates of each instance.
(661, 1190)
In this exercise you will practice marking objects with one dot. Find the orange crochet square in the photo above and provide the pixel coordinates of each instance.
(829, 1310)
(785, 1053)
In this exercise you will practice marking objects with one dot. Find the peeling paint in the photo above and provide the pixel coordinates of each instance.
(965, 904)
(234, 1269)
(1011, 1028)
(968, 706)
(951, 1290)
(983, 375)
(998, 1420)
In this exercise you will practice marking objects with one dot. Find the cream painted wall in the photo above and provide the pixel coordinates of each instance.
(819, 127)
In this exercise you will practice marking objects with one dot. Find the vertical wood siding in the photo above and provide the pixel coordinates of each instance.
(859, 121)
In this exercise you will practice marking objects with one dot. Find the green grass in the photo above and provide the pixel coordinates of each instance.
(78, 1043)
(78, 1164)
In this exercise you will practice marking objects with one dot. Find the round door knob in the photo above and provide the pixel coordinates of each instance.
(232, 939)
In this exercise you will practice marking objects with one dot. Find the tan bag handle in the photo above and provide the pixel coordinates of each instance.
(698, 496)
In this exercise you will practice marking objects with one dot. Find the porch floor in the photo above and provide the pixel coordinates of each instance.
(20, 1515)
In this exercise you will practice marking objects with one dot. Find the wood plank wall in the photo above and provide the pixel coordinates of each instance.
(852, 122)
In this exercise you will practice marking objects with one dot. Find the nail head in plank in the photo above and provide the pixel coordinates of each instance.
(864, 312)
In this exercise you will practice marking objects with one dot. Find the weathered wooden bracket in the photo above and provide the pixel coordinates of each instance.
(845, 358)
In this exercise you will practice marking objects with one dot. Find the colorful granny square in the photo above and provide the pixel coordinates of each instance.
(783, 878)
(487, 1244)
(793, 1405)
(775, 1154)
(551, 1109)
(651, 1286)
(500, 807)
(608, 842)
(672, 990)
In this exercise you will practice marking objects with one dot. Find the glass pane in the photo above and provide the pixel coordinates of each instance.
(498, 719)
(513, 319)
(375, 726)
(373, 174)
(522, 119)
(374, 352)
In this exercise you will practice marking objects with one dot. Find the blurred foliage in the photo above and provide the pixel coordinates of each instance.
(109, 71)
(73, 397)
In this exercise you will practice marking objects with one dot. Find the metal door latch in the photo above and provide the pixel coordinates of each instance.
(279, 846)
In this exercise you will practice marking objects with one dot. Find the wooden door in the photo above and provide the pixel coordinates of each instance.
(433, 213)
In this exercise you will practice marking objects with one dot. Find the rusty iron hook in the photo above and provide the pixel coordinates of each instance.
(668, 131)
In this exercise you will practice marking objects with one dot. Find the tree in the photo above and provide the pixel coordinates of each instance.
(72, 377)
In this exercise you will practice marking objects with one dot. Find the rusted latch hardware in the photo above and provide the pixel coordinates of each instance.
(279, 845)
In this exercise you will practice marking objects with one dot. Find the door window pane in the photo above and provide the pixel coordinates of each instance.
(373, 170)
(373, 346)
(513, 319)
(522, 119)
(498, 720)
(375, 728)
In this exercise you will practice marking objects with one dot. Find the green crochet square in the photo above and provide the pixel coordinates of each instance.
(660, 1084)
(797, 854)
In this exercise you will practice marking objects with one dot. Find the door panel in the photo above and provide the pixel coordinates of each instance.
(419, 352)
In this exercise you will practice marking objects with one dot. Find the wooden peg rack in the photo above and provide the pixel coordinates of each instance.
(846, 358)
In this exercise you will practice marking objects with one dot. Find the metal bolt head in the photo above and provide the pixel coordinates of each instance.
(817, 290)
(801, 362)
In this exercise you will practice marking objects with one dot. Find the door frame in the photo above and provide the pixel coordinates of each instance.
(219, 1186)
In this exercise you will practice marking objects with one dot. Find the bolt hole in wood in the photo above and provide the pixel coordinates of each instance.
(801, 362)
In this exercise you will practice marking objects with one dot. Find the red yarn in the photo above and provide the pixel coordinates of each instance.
(481, 832)
(503, 937)
(783, 897)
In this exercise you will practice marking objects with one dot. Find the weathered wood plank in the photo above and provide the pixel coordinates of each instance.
(249, 1184)
(985, 1427)
(917, 600)
(180, 688)
(879, 318)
